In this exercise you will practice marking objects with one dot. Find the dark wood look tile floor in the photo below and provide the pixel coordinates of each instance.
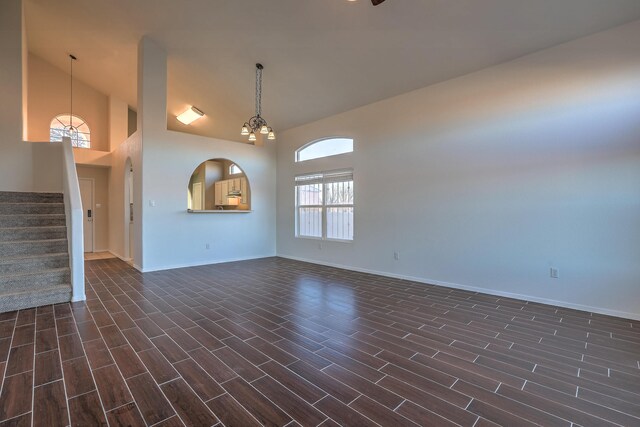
(283, 343)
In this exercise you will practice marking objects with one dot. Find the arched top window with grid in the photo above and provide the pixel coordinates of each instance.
(324, 148)
(73, 127)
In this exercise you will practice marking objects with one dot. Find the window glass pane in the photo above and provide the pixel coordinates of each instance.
(309, 194)
(325, 205)
(340, 223)
(234, 169)
(60, 128)
(309, 222)
(325, 148)
(339, 193)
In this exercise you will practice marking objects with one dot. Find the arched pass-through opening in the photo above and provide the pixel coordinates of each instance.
(218, 186)
(128, 210)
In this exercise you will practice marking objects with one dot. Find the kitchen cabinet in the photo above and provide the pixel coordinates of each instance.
(218, 193)
(245, 191)
(231, 186)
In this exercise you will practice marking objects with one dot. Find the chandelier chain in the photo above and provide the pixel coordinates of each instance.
(258, 91)
(71, 58)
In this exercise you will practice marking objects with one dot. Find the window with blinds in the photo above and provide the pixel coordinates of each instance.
(324, 205)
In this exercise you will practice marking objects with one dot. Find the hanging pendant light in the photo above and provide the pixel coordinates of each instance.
(257, 124)
(70, 130)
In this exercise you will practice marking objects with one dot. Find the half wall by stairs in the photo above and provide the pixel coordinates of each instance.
(34, 258)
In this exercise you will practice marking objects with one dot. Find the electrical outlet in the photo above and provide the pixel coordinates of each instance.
(207, 246)
(396, 255)
(554, 273)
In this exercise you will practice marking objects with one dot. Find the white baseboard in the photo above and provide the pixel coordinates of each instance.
(199, 263)
(598, 310)
(79, 298)
(119, 256)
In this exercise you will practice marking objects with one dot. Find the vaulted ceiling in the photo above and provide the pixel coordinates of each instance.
(321, 57)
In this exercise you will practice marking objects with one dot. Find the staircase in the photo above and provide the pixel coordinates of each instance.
(34, 259)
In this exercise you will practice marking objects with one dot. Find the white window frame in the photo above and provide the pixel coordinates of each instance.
(62, 120)
(323, 178)
(318, 141)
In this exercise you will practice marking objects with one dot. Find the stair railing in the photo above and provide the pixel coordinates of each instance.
(73, 211)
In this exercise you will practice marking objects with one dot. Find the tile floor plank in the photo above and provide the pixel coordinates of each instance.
(257, 404)
(293, 405)
(126, 415)
(128, 361)
(86, 410)
(188, 406)
(152, 403)
(47, 367)
(77, 377)
(50, 405)
(111, 387)
(231, 413)
(16, 395)
(199, 380)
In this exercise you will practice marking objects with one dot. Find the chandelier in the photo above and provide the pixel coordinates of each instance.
(257, 124)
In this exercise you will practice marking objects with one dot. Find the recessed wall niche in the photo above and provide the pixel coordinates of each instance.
(218, 186)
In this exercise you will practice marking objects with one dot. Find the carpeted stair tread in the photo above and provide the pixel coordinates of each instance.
(28, 197)
(35, 273)
(23, 208)
(32, 247)
(31, 220)
(24, 281)
(33, 263)
(18, 300)
(25, 258)
(15, 234)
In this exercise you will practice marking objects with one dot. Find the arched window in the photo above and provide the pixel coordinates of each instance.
(324, 148)
(234, 169)
(62, 126)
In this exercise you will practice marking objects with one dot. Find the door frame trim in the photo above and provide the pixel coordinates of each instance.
(93, 212)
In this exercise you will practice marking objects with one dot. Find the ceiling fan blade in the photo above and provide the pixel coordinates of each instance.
(376, 2)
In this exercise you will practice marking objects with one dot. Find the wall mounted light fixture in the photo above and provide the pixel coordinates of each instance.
(190, 116)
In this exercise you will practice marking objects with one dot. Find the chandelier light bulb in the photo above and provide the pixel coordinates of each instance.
(252, 137)
(264, 130)
(245, 131)
(271, 135)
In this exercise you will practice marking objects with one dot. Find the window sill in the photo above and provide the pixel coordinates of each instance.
(217, 211)
(320, 239)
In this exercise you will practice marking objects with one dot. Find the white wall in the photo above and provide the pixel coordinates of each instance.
(118, 122)
(118, 207)
(488, 180)
(171, 237)
(15, 159)
(49, 96)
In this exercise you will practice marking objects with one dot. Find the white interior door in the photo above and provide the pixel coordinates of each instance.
(86, 193)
